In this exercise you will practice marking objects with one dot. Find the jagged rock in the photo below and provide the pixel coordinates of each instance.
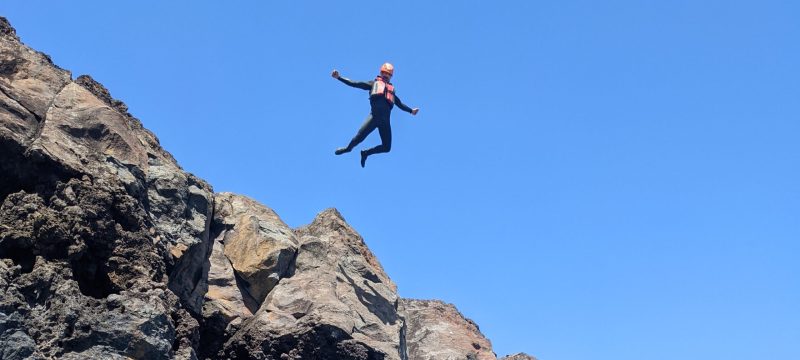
(93, 213)
(87, 276)
(518, 356)
(437, 331)
(6, 29)
(253, 249)
(64, 129)
(337, 303)
(226, 294)
(226, 304)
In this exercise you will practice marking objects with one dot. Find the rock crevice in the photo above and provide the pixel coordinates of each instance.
(42, 120)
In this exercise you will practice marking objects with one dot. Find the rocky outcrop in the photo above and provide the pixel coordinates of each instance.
(518, 356)
(109, 250)
(337, 303)
(258, 244)
(437, 331)
(64, 129)
(102, 227)
(85, 275)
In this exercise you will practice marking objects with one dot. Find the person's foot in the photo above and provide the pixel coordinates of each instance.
(363, 158)
(341, 151)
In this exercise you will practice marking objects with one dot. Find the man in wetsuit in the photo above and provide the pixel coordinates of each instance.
(381, 99)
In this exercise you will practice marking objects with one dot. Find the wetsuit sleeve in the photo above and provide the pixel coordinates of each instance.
(366, 85)
(400, 104)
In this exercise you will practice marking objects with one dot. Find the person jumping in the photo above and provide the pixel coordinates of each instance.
(381, 99)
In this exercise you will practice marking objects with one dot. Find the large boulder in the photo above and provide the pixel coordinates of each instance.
(253, 249)
(518, 356)
(438, 331)
(94, 213)
(336, 303)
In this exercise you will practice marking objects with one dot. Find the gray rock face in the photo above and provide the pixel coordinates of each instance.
(109, 250)
(66, 129)
(437, 331)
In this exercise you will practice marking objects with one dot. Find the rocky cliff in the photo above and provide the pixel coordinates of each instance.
(110, 250)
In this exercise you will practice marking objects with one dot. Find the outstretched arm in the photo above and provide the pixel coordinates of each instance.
(404, 107)
(356, 84)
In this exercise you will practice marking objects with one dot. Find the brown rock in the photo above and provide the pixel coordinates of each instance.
(518, 356)
(252, 251)
(259, 245)
(91, 207)
(53, 129)
(79, 127)
(437, 331)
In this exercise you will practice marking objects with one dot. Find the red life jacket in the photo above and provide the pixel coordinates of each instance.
(383, 88)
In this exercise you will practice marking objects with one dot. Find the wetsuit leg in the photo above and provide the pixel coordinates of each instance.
(369, 126)
(385, 129)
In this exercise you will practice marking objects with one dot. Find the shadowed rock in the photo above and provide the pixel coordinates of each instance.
(518, 356)
(84, 276)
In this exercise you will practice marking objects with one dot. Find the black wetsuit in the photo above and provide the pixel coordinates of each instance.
(377, 119)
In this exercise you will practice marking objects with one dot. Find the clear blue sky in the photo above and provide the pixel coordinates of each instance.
(586, 180)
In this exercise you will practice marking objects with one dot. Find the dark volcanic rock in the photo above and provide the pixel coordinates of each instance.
(259, 246)
(252, 251)
(85, 276)
(336, 303)
(6, 29)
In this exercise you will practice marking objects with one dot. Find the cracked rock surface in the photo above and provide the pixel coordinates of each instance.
(336, 287)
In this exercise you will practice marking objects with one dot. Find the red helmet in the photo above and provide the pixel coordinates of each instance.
(387, 68)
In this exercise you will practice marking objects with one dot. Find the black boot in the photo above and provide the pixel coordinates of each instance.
(341, 151)
(364, 158)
